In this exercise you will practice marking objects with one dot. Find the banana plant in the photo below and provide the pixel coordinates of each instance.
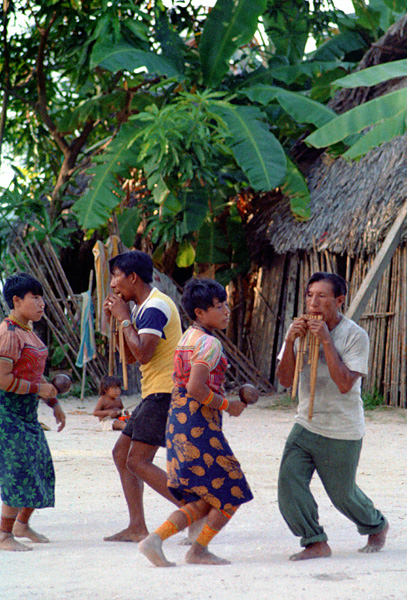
(372, 123)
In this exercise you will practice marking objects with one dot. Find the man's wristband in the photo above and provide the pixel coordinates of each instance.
(52, 402)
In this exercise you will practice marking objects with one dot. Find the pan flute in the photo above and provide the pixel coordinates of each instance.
(308, 342)
(114, 329)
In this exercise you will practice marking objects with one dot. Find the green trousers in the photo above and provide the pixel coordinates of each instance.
(336, 462)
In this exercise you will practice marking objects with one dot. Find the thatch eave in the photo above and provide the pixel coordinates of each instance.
(353, 205)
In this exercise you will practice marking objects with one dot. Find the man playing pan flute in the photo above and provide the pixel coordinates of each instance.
(329, 440)
(151, 334)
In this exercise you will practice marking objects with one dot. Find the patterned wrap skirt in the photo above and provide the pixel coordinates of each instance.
(200, 462)
(27, 477)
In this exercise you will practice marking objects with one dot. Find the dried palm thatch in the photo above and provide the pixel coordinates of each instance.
(352, 205)
(392, 46)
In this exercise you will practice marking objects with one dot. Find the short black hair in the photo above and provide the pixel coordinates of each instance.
(201, 293)
(338, 283)
(134, 261)
(107, 382)
(19, 285)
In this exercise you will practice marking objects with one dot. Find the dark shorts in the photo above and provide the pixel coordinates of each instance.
(148, 420)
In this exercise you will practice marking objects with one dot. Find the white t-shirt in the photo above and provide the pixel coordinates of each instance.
(338, 416)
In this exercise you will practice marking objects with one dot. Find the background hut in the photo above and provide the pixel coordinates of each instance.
(353, 206)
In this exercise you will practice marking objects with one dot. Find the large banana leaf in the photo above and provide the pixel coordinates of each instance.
(95, 207)
(295, 187)
(340, 45)
(230, 24)
(257, 151)
(212, 246)
(310, 68)
(298, 106)
(396, 5)
(384, 132)
(357, 119)
(171, 44)
(128, 223)
(123, 56)
(373, 75)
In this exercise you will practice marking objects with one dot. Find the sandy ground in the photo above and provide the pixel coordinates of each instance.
(78, 564)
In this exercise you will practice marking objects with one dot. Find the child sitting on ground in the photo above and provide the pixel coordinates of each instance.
(109, 407)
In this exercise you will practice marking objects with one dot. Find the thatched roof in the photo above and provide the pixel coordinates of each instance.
(353, 204)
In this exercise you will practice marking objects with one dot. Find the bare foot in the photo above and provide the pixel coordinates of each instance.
(151, 547)
(315, 550)
(7, 542)
(375, 541)
(126, 536)
(24, 531)
(200, 555)
(193, 531)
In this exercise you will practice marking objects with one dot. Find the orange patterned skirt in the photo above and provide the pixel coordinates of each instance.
(200, 462)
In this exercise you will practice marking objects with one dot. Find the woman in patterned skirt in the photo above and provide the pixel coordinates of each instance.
(202, 470)
(27, 477)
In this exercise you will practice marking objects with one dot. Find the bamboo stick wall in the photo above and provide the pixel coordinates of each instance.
(279, 298)
(63, 316)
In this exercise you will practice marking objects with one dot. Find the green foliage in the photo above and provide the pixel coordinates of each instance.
(112, 89)
(95, 207)
(298, 106)
(123, 56)
(295, 187)
(256, 149)
(388, 112)
(23, 213)
(129, 221)
(373, 75)
(372, 399)
(58, 355)
(230, 24)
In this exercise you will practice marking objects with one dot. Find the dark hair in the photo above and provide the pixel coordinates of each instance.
(200, 293)
(134, 261)
(107, 382)
(19, 285)
(339, 285)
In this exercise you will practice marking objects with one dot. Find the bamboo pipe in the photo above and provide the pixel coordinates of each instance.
(122, 354)
(311, 343)
(302, 346)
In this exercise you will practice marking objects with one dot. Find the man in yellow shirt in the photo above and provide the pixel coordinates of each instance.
(151, 334)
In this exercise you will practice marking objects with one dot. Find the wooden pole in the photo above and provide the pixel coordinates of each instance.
(84, 365)
(378, 267)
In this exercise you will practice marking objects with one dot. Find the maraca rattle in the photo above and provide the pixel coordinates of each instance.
(62, 383)
(248, 394)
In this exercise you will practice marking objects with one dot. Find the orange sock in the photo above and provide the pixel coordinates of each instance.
(166, 530)
(207, 534)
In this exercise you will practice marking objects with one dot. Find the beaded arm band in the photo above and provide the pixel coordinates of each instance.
(208, 398)
(224, 405)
